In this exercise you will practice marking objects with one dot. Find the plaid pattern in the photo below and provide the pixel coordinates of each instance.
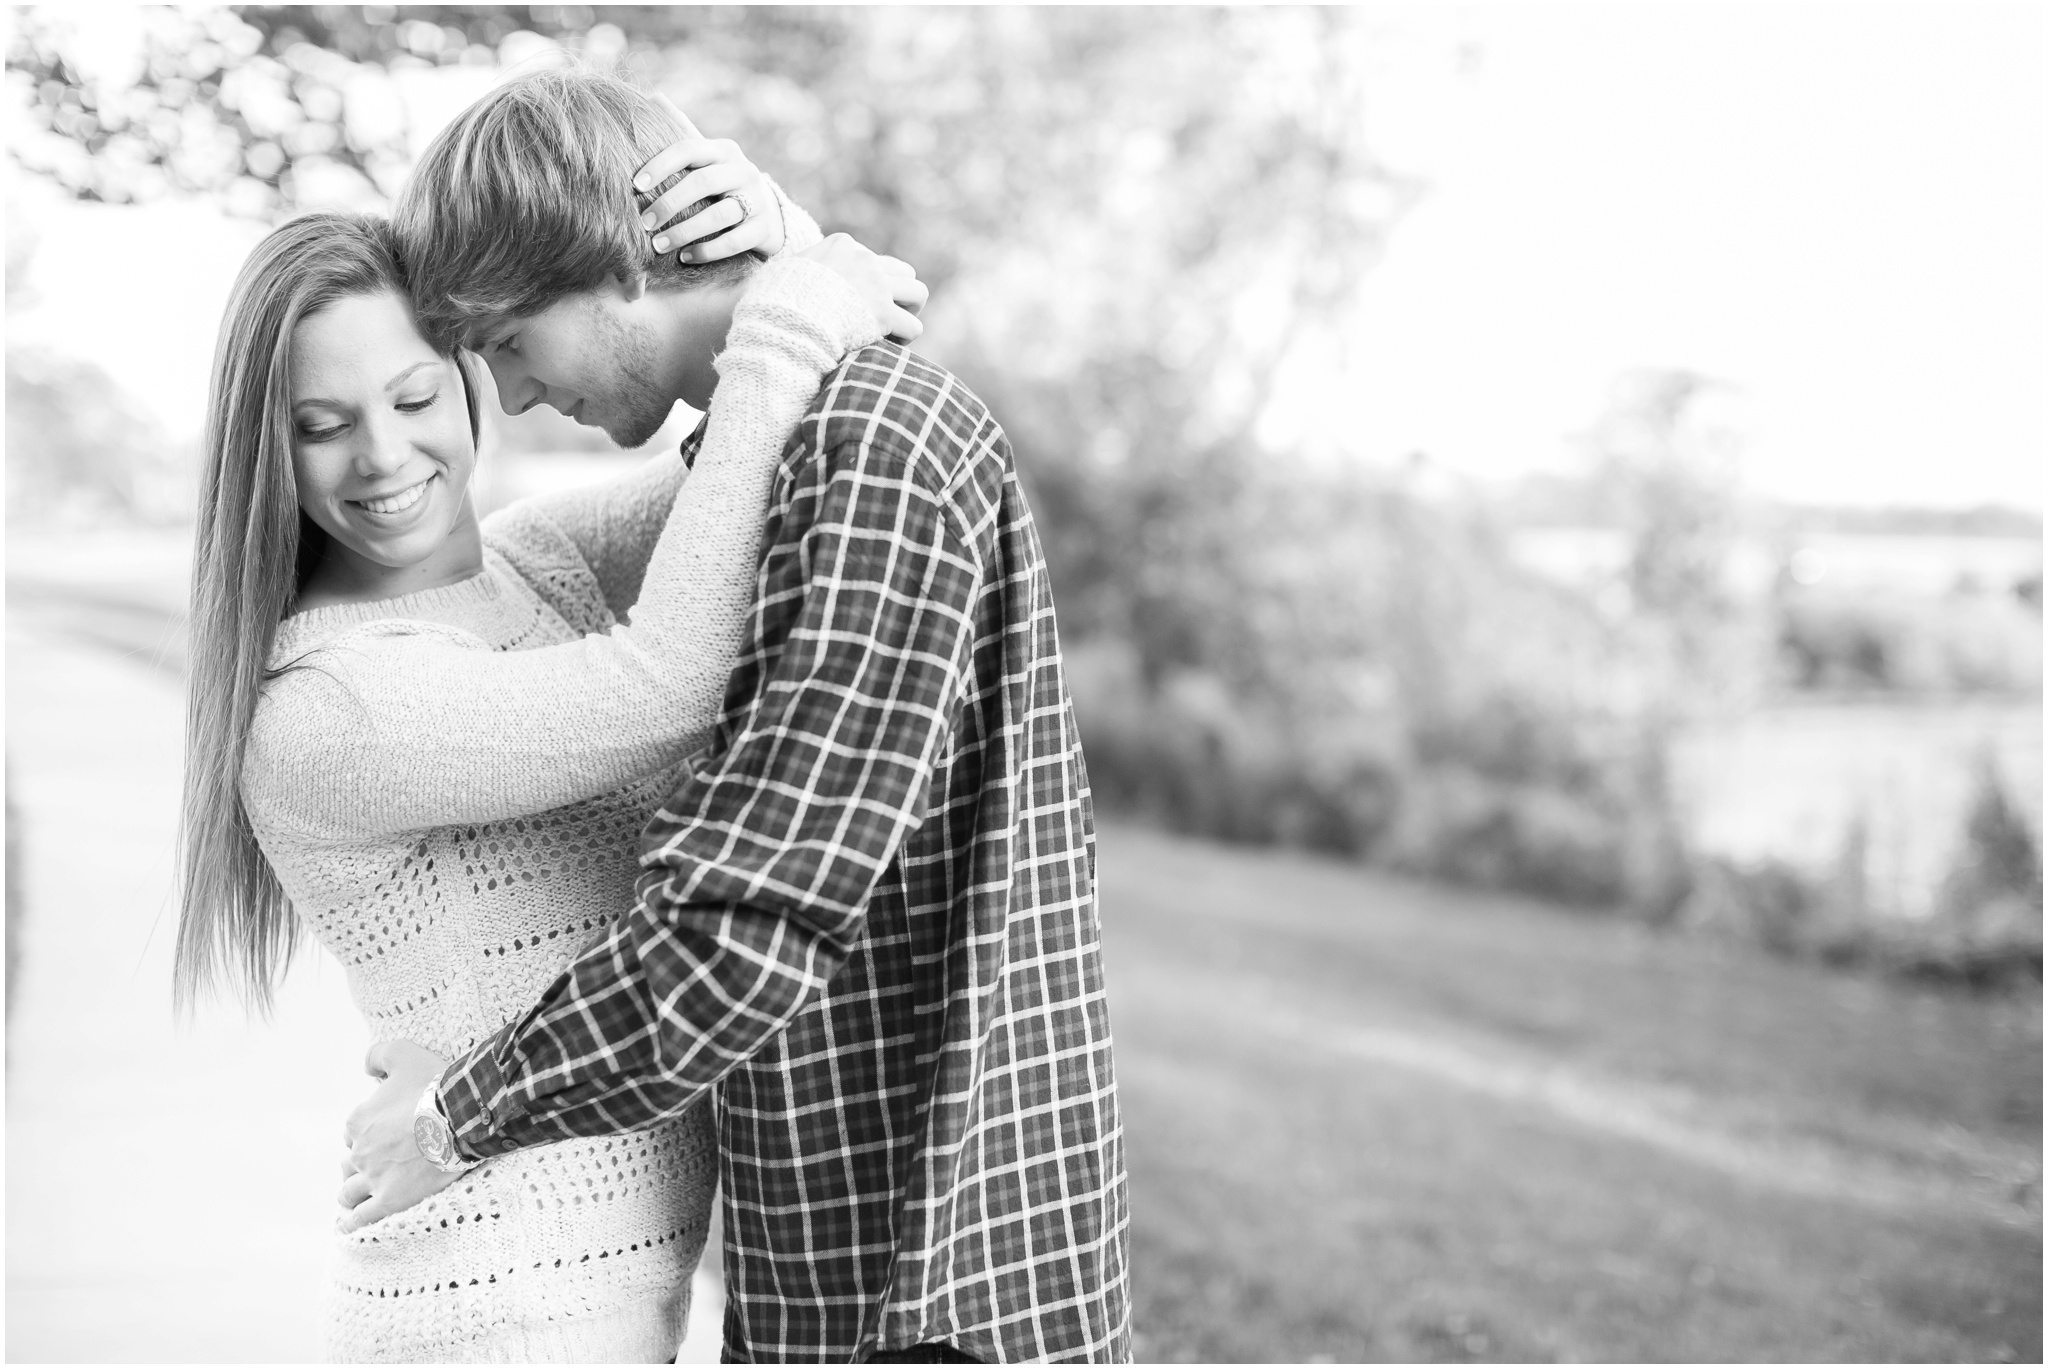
(868, 915)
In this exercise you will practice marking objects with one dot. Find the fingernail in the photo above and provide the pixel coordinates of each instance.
(641, 182)
(661, 244)
(648, 221)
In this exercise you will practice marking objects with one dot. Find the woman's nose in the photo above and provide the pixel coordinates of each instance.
(381, 452)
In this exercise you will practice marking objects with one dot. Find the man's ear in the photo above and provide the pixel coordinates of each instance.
(631, 286)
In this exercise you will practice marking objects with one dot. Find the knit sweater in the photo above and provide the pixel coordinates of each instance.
(451, 787)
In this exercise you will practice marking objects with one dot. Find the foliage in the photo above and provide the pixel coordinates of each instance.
(1957, 644)
(1131, 220)
(1404, 694)
(1984, 932)
(1129, 217)
(77, 450)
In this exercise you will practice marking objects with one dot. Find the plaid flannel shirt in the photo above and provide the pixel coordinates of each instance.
(868, 917)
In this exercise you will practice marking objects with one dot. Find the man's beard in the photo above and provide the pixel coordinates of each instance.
(633, 407)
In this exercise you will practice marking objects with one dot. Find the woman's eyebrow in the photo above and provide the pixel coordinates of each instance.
(399, 379)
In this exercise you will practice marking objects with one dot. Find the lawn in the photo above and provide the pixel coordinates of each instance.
(1373, 1119)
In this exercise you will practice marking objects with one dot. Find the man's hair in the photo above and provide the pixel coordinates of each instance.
(528, 197)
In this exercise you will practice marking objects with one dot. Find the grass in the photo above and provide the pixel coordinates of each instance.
(1372, 1119)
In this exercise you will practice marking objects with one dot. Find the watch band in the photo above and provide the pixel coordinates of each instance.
(431, 1132)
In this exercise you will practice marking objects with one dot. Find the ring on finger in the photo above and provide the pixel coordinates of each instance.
(746, 206)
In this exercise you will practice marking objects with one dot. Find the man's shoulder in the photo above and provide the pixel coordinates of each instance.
(887, 396)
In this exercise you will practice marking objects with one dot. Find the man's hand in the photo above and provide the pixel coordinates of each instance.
(385, 1172)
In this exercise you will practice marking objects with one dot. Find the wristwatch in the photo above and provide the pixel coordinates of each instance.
(436, 1141)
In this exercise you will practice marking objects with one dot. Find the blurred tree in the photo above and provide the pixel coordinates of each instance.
(1129, 217)
(1131, 220)
(1665, 454)
(78, 449)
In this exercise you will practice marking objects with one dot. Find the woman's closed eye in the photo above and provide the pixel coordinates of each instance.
(419, 406)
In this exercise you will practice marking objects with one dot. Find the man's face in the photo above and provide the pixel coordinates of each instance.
(595, 356)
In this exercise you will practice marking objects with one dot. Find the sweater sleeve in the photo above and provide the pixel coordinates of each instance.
(615, 524)
(799, 230)
(611, 526)
(399, 725)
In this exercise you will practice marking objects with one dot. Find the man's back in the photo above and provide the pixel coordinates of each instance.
(932, 1149)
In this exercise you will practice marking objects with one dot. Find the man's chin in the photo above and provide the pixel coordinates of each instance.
(635, 433)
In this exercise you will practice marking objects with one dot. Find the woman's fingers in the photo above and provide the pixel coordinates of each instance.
(895, 266)
(706, 182)
(902, 325)
(750, 234)
(677, 157)
(910, 292)
(712, 219)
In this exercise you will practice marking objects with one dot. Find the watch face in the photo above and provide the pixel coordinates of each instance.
(432, 1139)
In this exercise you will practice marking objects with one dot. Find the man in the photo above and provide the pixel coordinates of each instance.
(867, 922)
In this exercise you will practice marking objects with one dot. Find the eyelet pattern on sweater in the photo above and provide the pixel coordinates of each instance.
(581, 1250)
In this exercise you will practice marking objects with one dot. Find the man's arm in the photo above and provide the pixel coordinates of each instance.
(762, 862)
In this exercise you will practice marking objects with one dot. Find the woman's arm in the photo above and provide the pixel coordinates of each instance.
(399, 726)
(610, 527)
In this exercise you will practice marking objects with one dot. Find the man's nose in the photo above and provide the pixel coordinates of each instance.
(517, 391)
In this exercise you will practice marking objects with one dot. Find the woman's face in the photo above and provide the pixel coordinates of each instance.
(380, 432)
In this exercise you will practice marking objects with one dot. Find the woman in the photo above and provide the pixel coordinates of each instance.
(455, 856)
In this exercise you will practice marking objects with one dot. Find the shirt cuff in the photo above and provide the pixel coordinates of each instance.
(467, 1089)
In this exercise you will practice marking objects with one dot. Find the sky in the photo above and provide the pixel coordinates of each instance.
(1838, 210)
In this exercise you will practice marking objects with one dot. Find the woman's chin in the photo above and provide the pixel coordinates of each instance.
(404, 540)
(402, 551)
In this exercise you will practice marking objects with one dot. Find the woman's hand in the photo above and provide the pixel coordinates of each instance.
(890, 287)
(735, 209)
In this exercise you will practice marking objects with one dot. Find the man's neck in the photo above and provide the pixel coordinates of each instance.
(698, 321)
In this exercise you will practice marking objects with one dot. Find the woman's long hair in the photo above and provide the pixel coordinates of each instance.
(251, 556)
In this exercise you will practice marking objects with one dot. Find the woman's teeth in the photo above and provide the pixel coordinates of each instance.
(400, 502)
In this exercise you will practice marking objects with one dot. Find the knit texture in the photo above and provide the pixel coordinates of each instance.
(451, 786)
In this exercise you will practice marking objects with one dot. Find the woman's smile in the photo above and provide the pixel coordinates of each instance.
(398, 502)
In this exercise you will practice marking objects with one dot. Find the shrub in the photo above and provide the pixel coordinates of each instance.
(1985, 931)
(1461, 825)
(1960, 643)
